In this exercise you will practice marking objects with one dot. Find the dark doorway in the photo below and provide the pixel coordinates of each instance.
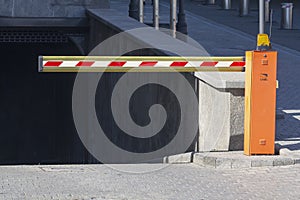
(35, 108)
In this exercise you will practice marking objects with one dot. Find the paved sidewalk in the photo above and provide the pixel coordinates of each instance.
(224, 33)
(185, 181)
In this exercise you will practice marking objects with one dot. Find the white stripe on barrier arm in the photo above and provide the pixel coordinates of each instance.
(139, 64)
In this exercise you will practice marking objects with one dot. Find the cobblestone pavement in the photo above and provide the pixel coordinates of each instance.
(185, 181)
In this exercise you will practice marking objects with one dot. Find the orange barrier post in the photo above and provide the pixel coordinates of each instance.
(260, 102)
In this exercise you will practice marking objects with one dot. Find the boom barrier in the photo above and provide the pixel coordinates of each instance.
(139, 64)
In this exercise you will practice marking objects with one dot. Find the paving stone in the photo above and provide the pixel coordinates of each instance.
(209, 161)
(180, 158)
(261, 163)
(240, 164)
(198, 159)
(283, 161)
(222, 163)
(297, 161)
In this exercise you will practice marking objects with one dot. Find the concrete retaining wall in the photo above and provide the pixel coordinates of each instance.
(147, 41)
(48, 8)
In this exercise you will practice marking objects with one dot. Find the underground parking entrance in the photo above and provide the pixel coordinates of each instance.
(37, 125)
(36, 116)
(36, 109)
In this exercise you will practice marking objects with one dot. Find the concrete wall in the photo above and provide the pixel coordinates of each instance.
(147, 41)
(48, 8)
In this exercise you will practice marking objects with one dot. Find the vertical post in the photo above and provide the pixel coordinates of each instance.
(244, 7)
(156, 14)
(226, 4)
(141, 11)
(173, 19)
(210, 2)
(134, 9)
(287, 16)
(261, 16)
(267, 10)
(181, 25)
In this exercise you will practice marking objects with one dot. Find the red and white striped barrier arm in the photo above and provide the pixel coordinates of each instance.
(139, 64)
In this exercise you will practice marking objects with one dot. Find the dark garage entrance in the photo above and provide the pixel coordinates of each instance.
(35, 109)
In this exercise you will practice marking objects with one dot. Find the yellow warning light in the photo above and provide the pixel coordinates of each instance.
(263, 42)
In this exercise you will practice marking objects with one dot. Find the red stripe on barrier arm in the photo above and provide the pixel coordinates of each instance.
(117, 64)
(238, 64)
(148, 64)
(209, 64)
(85, 63)
(53, 63)
(179, 64)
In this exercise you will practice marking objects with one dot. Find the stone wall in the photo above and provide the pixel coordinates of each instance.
(48, 8)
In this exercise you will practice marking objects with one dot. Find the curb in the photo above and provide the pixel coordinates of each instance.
(237, 160)
(179, 158)
(231, 160)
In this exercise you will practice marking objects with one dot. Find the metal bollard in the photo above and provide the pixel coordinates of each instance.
(156, 14)
(287, 15)
(134, 9)
(181, 23)
(244, 7)
(141, 11)
(210, 2)
(173, 19)
(226, 4)
(267, 10)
